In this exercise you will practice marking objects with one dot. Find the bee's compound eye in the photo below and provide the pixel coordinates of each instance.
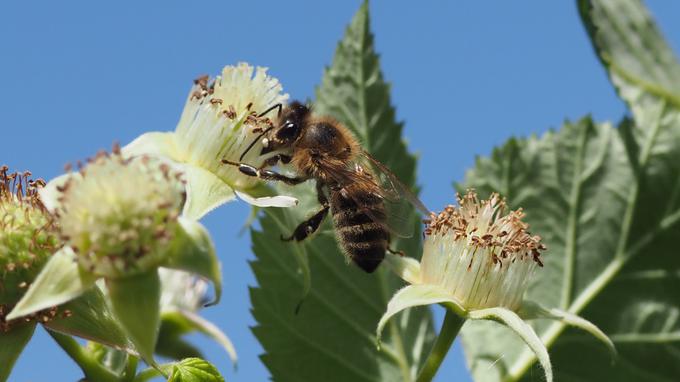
(288, 131)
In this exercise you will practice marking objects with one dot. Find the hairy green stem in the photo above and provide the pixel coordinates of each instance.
(449, 331)
(93, 370)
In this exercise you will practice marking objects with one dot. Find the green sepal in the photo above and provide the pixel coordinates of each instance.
(90, 318)
(531, 310)
(61, 280)
(135, 302)
(193, 251)
(521, 328)
(175, 324)
(417, 295)
(12, 343)
(205, 192)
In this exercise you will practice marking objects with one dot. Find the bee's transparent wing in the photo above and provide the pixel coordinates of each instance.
(371, 176)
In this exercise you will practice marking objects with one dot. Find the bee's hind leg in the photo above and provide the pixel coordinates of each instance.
(308, 226)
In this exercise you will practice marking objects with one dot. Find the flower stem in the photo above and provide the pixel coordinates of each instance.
(92, 369)
(449, 331)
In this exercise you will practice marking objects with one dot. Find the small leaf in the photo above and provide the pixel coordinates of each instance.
(193, 251)
(195, 370)
(90, 318)
(12, 343)
(418, 295)
(205, 192)
(61, 280)
(526, 332)
(135, 302)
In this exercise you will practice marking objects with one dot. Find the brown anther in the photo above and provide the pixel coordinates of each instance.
(202, 81)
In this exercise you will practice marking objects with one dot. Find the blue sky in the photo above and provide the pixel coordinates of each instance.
(77, 76)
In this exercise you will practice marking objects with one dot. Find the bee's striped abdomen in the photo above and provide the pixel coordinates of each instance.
(362, 234)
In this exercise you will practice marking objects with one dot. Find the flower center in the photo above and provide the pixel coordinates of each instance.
(119, 214)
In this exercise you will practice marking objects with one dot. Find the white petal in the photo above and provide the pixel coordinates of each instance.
(205, 192)
(49, 195)
(268, 201)
(155, 144)
(417, 295)
(407, 268)
(524, 330)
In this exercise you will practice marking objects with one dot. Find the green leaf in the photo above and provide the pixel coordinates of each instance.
(195, 370)
(611, 233)
(12, 343)
(606, 202)
(135, 302)
(640, 63)
(335, 327)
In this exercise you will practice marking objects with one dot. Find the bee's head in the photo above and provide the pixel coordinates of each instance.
(284, 132)
(287, 129)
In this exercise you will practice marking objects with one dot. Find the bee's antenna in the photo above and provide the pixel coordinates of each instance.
(278, 113)
(254, 142)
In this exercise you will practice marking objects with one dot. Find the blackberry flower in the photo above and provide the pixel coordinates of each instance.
(220, 119)
(478, 261)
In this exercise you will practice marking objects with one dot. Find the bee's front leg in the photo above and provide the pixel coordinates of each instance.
(273, 161)
(264, 173)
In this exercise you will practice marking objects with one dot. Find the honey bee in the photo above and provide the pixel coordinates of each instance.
(362, 195)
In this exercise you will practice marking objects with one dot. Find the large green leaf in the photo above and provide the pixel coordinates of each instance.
(606, 201)
(332, 338)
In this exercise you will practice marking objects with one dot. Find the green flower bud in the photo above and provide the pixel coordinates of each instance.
(27, 239)
(119, 215)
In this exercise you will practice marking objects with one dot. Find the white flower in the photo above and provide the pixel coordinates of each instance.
(482, 258)
(477, 262)
(220, 119)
